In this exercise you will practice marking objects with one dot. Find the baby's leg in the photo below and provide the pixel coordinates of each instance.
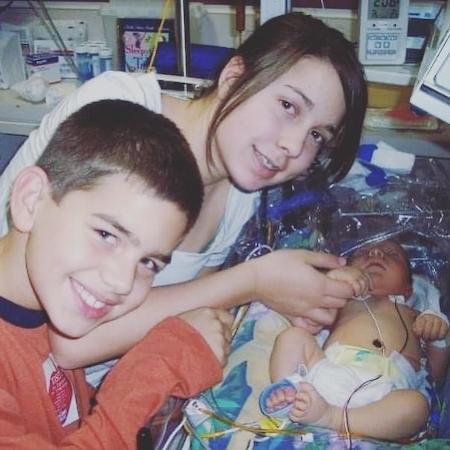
(293, 348)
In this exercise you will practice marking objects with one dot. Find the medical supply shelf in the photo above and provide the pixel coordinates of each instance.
(19, 117)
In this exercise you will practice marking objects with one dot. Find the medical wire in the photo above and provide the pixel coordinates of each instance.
(191, 430)
(404, 325)
(380, 334)
(365, 383)
(173, 434)
(346, 405)
(257, 249)
(346, 425)
(164, 14)
(235, 426)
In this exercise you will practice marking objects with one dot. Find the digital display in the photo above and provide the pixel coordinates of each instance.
(384, 9)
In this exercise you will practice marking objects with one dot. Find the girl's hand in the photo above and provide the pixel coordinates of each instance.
(292, 283)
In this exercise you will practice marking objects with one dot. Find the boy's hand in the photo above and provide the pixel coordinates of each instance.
(214, 325)
(430, 327)
(358, 279)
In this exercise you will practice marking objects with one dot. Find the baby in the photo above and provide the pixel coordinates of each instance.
(372, 362)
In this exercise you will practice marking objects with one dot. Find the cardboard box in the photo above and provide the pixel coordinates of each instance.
(49, 46)
(45, 64)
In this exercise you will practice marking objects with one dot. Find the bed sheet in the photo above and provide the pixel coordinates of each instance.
(236, 422)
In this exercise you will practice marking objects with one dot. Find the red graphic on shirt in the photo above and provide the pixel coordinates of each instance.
(60, 390)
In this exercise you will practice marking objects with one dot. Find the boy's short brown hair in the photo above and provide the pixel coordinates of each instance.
(117, 136)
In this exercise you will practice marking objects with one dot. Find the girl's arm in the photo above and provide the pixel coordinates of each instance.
(286, 280)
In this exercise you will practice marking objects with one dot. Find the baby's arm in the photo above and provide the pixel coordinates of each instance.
(433, 329)
(438, 360)
(430, 327)
(355, 277)
(383, 419)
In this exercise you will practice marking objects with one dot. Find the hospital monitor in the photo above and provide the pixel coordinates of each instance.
(431, 91)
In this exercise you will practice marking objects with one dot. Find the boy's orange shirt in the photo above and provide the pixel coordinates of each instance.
(26, 408)
(135, 388)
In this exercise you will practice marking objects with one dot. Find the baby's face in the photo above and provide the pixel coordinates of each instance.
(387, 265)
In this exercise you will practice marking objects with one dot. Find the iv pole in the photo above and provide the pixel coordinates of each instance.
(183, 37)
(183, 50)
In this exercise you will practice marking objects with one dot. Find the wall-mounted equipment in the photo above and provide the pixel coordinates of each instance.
(383, 30)
(431, 92)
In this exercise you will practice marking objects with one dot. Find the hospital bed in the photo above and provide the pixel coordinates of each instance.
(370, 204)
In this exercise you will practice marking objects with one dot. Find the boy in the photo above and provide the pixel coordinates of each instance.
(92, 223)
(373, 352)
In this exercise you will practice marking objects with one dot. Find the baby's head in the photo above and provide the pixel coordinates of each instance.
(387, 264)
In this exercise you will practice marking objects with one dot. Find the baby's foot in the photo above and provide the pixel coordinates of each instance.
(280, 398)
(277, 398)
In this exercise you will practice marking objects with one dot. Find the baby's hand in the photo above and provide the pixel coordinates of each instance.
(215, 327)
(430, 327)
(355, 277)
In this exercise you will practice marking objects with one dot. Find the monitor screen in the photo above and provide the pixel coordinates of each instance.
(384, 9)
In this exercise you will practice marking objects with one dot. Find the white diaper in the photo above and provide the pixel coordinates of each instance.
(360, 376)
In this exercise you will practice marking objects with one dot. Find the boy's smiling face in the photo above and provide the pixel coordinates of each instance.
(92, 257)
